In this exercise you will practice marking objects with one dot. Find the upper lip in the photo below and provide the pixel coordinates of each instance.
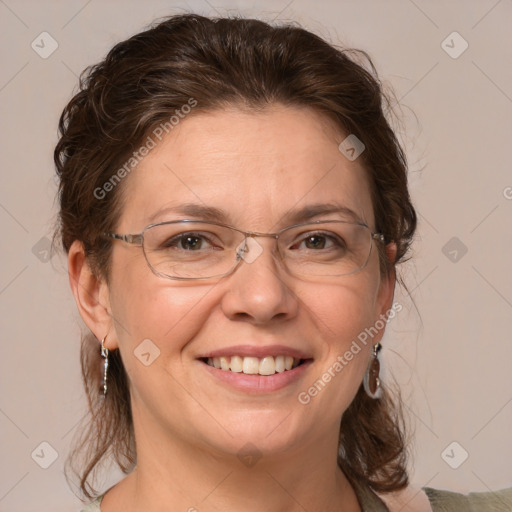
(257, 351)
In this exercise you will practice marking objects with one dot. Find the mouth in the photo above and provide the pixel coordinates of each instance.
(248, 365)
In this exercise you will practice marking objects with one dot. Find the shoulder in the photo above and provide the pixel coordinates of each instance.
(448, 501)
(410, 499)
(94, 506)
(427, 499)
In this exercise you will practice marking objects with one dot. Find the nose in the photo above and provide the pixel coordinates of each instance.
(259, 291)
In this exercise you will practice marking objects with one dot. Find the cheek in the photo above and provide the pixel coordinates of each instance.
(145, 306)
(154, 322)
(345, 309)
(342, 315)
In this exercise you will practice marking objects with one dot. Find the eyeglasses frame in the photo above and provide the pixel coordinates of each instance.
(138, 240)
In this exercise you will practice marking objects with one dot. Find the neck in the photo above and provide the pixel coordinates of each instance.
(173, 472)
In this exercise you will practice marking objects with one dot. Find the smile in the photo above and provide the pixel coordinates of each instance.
(268, 365)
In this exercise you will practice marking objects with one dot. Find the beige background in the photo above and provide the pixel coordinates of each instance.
(453, 359)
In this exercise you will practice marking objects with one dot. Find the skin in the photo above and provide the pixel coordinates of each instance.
(257, 167)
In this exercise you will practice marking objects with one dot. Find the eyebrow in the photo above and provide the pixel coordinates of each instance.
(198, 211)
(213, 214)
(316, 210)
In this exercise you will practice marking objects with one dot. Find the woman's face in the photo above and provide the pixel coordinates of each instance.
(260, 170)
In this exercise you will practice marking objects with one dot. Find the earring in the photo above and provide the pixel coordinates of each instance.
(371, 382)
(104, 354)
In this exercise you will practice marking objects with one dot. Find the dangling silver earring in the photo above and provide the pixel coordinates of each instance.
(104, 354)
(371, 382)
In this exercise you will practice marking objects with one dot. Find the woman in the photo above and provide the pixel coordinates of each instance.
(234, 205)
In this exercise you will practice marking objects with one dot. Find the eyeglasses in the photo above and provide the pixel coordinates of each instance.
(194, 250)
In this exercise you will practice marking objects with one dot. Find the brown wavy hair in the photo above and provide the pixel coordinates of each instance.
(221, 62)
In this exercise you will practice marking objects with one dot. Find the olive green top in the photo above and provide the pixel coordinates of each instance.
(440, 501)
(447, 501)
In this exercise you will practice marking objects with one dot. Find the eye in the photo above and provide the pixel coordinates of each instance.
(315, 242)
(190, 242)
(319, 241)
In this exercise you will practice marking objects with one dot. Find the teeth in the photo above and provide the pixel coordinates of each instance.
(254, 366)
(280, 364)
(267, 366)
(251, 365)
(236, 364)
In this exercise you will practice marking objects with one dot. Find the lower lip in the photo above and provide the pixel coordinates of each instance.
(257, 384)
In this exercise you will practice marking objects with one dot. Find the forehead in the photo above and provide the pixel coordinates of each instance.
(256, 168)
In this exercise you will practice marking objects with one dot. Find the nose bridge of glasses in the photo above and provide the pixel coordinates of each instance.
(257, 234)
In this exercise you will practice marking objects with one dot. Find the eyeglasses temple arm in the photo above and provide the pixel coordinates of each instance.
(129, 239)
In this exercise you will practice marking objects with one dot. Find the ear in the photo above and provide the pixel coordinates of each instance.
(91, 295)
(387, 282)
